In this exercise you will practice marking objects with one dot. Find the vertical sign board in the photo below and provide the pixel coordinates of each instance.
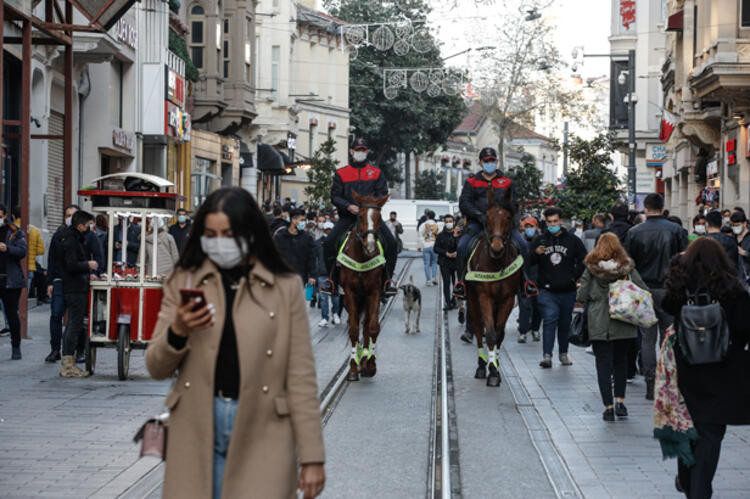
(655, 154)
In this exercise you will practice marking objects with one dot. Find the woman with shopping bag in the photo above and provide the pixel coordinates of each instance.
(606, 265)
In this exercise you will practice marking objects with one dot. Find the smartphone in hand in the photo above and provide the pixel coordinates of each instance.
(194, 295)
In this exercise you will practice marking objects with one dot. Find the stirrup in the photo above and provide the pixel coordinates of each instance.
(530, 289)
(389, 288)
(459, 290)
(328, 287)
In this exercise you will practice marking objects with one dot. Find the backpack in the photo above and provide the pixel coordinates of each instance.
(703, 331)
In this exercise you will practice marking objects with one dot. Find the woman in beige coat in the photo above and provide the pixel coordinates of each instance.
(244, 410)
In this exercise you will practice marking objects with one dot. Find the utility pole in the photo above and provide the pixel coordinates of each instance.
(631, 129)
(565, 150)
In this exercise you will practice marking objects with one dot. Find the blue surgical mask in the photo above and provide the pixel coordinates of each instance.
(181, 219)
(287, 219)
(301, 225)
(530, 232)
(489, 168)
(553, 229)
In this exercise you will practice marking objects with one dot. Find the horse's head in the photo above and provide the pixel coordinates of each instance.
(368, 221)
(499, 222)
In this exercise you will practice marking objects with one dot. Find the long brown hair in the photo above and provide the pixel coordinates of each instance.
(607, 248)
(703, 266)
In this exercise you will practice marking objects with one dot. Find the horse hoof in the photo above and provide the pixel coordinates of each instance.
(352, 377)
(481, 373)
(493, 381)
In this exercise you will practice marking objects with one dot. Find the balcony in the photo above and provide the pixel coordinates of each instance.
(722, 72)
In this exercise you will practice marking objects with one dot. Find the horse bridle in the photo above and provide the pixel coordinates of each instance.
(490, 237)
(362, 235)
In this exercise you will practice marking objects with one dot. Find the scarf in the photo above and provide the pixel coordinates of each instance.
(673, 426)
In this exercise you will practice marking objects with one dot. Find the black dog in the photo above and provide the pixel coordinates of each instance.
(412, 303)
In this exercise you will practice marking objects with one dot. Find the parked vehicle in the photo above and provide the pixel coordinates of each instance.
(410, 210)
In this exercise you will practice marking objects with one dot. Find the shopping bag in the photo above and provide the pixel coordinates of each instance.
(631, 304)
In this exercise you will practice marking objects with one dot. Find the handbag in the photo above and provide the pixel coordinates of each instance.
(153, 437)
(631, 304)
(579, 328)
(703, 331)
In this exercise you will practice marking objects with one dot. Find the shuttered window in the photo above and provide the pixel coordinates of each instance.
(55, 173)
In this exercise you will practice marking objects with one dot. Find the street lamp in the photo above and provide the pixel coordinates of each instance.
(478, 49)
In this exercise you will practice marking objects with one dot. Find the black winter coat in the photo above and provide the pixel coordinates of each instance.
(180, 234)
(73, 261)
(718, 393)
(562, 264)
(473, 200)
(619, 228)
(652, 244)
(299, 252)
(446, 242)
(729, 243)
(276, 224)
(364, 179)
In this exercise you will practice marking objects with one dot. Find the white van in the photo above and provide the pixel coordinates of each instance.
(408, 212)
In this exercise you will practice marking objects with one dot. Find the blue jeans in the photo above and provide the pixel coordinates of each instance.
(529, 317)
(224, 413)
(430, 263)
(324, 301)
(557, 312)
(57, 312)
(31, 279)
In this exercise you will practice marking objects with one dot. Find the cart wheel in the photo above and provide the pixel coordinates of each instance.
(90, 354)
(123, 351)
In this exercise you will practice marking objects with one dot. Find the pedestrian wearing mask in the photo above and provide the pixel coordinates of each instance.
(35, 245)
(739, 228)
(298, 248)
(529, 316)
(321, 274)
(716, 394)
(12, 278)
(244, 363)
(727, 241)
(611, 339)
(726, 220)
(396, 230)
(699, 227)
(446, 248)
(428, 233)
(559, 256)
(75, 266)
(167, 253)
(181, 229)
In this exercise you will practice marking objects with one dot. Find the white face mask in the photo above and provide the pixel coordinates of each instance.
(449, 226)
(68, 221)
(726, 221)
(224, 251)
(700, 229)
(359, 156)
(737, 229)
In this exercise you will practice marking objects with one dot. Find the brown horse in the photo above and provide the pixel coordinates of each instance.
(492, 281)
(361, 277)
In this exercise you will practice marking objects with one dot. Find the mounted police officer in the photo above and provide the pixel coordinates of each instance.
(473, 205)
(365, 180)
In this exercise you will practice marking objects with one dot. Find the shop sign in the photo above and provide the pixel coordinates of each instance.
(123, 139)
(655, 154)
(126, 33)
(712, 168)
(175, 88)
(645, 181)
(178, 123)
(627, 15)
(731, 149)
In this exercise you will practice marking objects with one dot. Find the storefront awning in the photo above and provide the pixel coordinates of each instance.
(675, 21)
(270, 160)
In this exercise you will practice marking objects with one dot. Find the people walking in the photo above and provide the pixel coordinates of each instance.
(699, 227)
(619, 225)
(133, 242)
(298, 248)
(35, 246)
(279, 221)
(396, 229)
(326, 316)
(244, 410)
(55, 287)
(446, 249)
(180, 230)
(740, 230)
(611, 339)
(591, 235)
(716, 394)
(652, 244)
(559, 256)
(167, 253)
(75, 264)
(714, 226)
(529, 316)
(13, 249)
(428, 233)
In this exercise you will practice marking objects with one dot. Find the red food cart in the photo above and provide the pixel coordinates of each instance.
(124, 302)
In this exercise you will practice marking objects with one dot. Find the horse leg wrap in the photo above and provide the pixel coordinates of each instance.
(357, 353)
(372, 353)
(493, 360)
(482, 354)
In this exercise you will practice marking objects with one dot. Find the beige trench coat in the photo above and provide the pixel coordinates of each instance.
(278, 419)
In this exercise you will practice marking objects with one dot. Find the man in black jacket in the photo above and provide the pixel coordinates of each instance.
(620, 225)
(365, 180)
(181, 229)
(446, 247)
(529, 317)
(714, 224)
(297, 247)
(559, 256)
(75, 268)
(652, 244)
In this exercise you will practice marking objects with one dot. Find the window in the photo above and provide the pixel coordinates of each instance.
(204, 180)
(248, 48)
(745, 15)
(275, 61)
(115, 93)
(197, 36)
(226, 59)
(218, 47)
(226, 26)
(695, 33)
(311, 140)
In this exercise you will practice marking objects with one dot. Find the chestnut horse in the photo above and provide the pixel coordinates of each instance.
(362, 265)
(493, 277)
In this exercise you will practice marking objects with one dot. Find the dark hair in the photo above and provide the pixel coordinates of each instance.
(449, 215)
(102, 222)
(713, 218)
(69, 207)
(740, 209)
(619, 211)
(725, 210)
(297, 212)
(247, 222)
(393, 213)
(600, 217)
(15, 212)
(81, 217)
(183, 210)
(703, 266)
(276, 211)
(698, 218)
(3, 209)
(551, 212)
(738, 217)
(675, 220)
(654, 202)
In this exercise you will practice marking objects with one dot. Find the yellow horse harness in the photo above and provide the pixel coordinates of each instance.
(477, 276)
(356, 266)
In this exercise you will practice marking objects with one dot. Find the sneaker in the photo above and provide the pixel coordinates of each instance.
(564, 360)
(16, 355)
(435, 282)
(428, 283)
(4, 331)
(589, 350)
(546, 362)
(630, 380)
(336, 319)
(649, 389)
(467, 337)
(608, 415)
(80, 358)
(620, 410)
(522, 338)
(323, 323)
(536, 336)
(53, 357)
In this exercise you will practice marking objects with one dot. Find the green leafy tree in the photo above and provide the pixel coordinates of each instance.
(592, 185)
(429, 184)
(412, 122)
(323, 168)
(527, 179)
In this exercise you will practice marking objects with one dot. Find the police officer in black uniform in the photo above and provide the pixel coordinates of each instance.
(473, 205)
(364, 179)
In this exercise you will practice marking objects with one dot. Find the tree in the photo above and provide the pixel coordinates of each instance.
(429, 184)
(527, 179)
(591, 186)
(412, 122)
(323, 168)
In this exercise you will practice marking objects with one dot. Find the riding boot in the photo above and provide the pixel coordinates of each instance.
(389, 287)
